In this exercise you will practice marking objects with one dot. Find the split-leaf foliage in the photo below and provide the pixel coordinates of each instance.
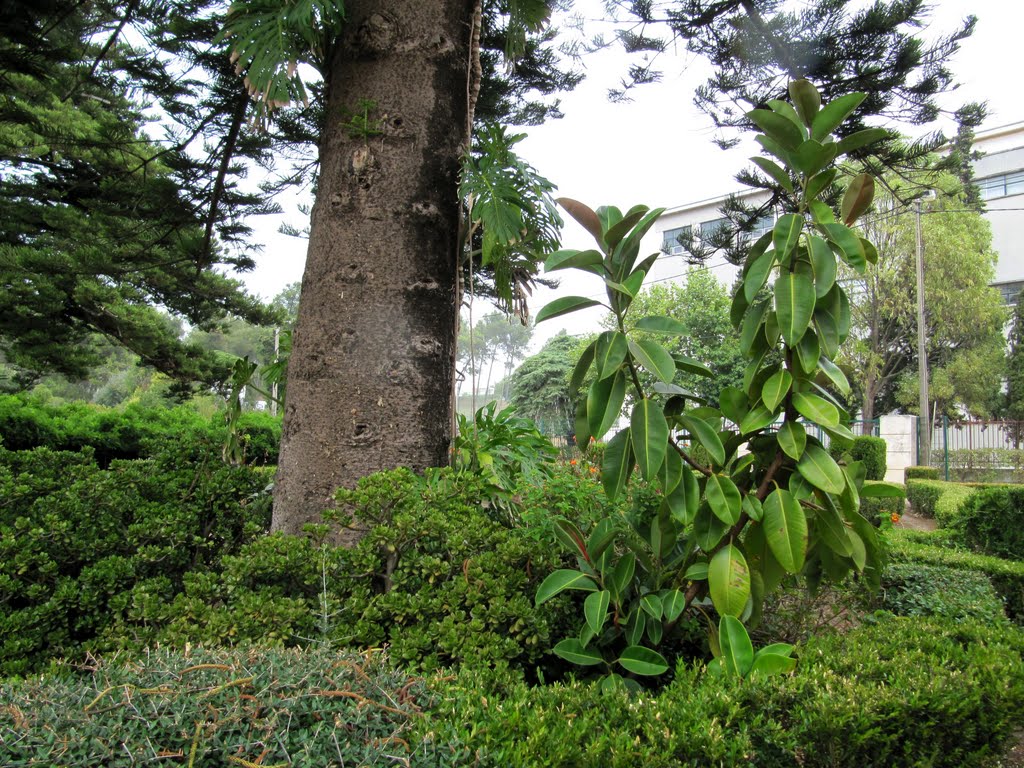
(749, 498)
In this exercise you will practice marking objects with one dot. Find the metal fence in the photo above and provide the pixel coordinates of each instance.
(977, 451)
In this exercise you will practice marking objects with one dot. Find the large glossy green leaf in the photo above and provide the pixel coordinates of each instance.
(862, 139)
(651, 604)
(724, 498)
(831, 528)
(672, 602)
(857, 198)
(708, 530)
(609, 353)
(621, 576)
(617, 464)
(794, 303)
(581, 368)
(706, 436)
(621, 228)
(604, 403)
(878, 489)
(753, 508)
(834, 113)
(649, 431)
(601, 538)
(595, 609)
(573, 651)
(824, 262)
(571, 536)
(849, 244)
(729, 581)
(821, 470)
(792, 439)
(835, 375)
(625, 253)
(812, 156)
(773, 148)
(775, 172)
(775, 389)
(767, 664)
(734, 404)
(784, 108)
(819, 182)
(654, 357)
(757, 275)
(757, 418)
(806, 99)
(785, 236)
(817, 409)
(635, 626)
(689, 365)
(661, 324)
(751, 327)
(564, 306)
(561, 580)
(643, 661)
(808, 351)
(670, 474)
(777, 128)
(785, 529)
(570, 259)
(737, 650)
(581, 422)
(682, 502)
(584, 216)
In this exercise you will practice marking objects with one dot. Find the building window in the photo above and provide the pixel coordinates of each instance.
(670, 240)
(1010, 291)
(762, 225)
(709, 228)
(1001, 186)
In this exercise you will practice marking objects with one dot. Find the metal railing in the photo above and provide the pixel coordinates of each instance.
(977, 451)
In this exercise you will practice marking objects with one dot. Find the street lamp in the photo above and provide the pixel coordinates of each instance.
(925, 434)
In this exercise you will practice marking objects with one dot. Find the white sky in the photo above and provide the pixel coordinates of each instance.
(657, 149)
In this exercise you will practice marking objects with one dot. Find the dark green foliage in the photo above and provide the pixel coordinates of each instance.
(132, 432)
(81, 546)
(871, 452)
(992, 522)
(874, 697)
(540, 386)
(922, 495)
(938, 548)
(950, 593)
(206, 707)
(880, 509)
(921, 473)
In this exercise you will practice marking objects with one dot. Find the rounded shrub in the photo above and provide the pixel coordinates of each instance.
(920, 473)
(991, 521)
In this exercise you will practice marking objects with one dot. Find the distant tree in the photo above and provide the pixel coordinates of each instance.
(964, 316)
(701, 303)
(1013, 408)
(539, 388)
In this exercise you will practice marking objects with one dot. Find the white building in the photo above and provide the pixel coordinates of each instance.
(999, 174)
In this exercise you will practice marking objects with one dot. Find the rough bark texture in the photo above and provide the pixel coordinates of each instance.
(372, 365)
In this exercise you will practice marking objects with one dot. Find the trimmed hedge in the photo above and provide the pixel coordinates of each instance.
(938, 499)
(992, 521)
(914, 589)
(870, 451)
(933, 548)
(904, 692)
(920, 473)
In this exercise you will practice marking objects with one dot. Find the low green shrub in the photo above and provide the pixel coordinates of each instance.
(203, 707)
(922, 495)
(79, 544)
(903, 692)
(920, 473)
(938, 499)
(992, 521)
(1006, 576)
(913, 589)
(870, 451)
(950, 503)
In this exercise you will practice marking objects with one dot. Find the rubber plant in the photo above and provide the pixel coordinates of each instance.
(750, 496)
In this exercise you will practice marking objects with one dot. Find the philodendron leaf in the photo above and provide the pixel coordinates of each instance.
(724, 498)
(561, 580)
(729, 581)
(794, 304)
(595, 609)
(821, 470)
(858, 198)
(776, 388)
(649, 431)
(642, 661)
(573, 651)
(564, 306)
(737, 650)
(785, 529)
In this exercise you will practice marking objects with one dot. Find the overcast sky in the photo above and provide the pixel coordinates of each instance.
(657, 149)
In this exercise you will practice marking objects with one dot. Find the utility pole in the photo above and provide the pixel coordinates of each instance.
(924, 404)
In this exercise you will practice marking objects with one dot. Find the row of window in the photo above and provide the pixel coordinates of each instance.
(670, 238)
(1001, 186)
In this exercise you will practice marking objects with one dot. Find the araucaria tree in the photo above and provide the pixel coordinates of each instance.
(762, 500)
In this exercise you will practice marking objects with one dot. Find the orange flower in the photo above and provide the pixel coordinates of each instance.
(593, 470)
(894, 517)
(572, 462)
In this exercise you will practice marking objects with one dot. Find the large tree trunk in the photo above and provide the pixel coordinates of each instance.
(371, 372)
